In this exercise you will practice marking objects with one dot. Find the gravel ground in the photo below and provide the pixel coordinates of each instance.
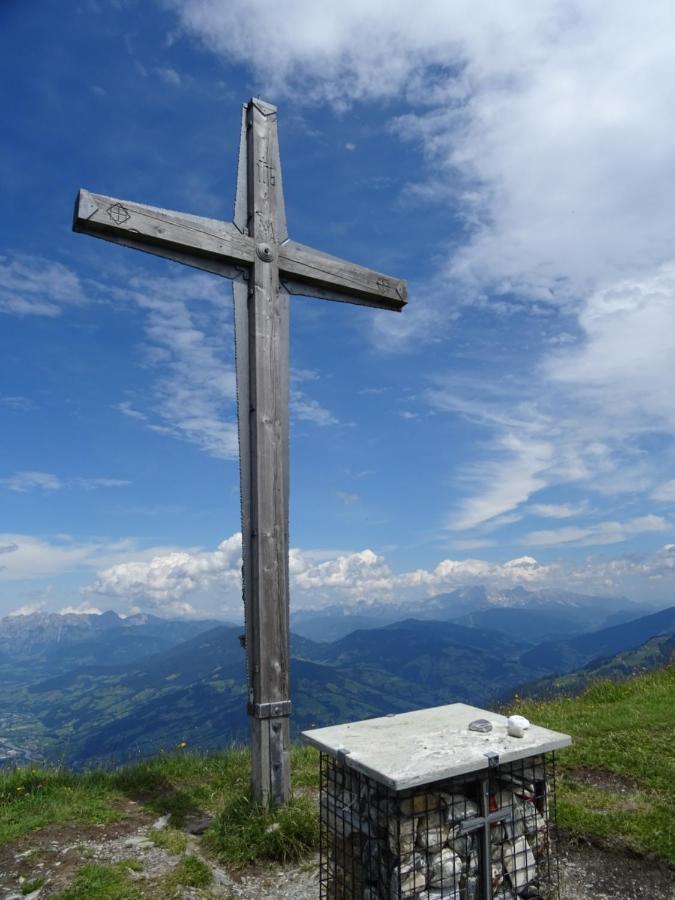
(591, 873)
(587, 872)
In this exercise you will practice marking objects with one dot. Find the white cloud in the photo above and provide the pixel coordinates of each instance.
(166, 579)
(26, 556)
(348, 499)
(168, 75)
(28, 609)
(127, 410)
(27, 481)
(83, 609)
(20, 482)
(306, 409)
(624, 368)
(664, 492)
(504, 483)
(33, 286)
(317, 578)
(16, 402)
(471, 543)
(557, 510)
(598, 533)
(346, 577)
(189, 332)
(92, 483)
(198, 582)
(594, 403)
(29, 557)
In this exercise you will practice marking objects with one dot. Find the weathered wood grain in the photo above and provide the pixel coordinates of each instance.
(206, 244)
(267, 600)
(307, 271)
(240, 293)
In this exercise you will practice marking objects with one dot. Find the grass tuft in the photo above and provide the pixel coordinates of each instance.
(191, 872)
(100, 882)
(244, 833)
(169, 839)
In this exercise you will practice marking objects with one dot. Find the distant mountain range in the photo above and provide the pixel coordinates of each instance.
(655, 653)
(42, 644)
(575, 652)
(101, 689)
(545, 613)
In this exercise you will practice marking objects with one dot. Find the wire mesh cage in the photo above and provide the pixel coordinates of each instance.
(477, 836)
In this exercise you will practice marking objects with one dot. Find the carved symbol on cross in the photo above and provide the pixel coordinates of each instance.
(118, 214)
(266, 172)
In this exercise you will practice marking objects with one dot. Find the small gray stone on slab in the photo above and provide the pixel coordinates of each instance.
(428, 745)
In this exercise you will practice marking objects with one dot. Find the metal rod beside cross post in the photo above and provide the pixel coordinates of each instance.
(266, 266)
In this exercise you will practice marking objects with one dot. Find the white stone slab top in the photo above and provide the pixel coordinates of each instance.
(428, 745)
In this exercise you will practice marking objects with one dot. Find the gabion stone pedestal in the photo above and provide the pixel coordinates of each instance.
(419, 806)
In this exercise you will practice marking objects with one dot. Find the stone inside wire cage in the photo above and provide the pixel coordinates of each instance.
(487, 834)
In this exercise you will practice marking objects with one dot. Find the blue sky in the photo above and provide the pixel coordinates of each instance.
(514, 425)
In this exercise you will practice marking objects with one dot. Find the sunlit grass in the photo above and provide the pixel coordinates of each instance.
(623, 734)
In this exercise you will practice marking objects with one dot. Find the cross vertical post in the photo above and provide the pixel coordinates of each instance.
(265, 266)
(266, 600)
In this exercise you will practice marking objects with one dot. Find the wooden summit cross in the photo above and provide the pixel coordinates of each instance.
(266, 266)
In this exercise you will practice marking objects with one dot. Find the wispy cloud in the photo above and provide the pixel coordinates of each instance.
(28, 481)
(598, 533)
(16, 402)
(47, 481)
(664, 493)
(126, 408)
(34, 286)
(303, 407)
(190, 348)
(33, 557)
(169, 75)
(348, 499)
(505, 483)
(306, 409)
(557, 510)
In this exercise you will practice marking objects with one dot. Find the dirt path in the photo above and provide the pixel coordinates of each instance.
(54, 854)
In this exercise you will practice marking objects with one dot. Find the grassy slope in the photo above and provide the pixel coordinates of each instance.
(179, 784)
(616, 783)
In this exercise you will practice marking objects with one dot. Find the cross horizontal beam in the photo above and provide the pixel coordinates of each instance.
(207, 244)
(221, 248)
